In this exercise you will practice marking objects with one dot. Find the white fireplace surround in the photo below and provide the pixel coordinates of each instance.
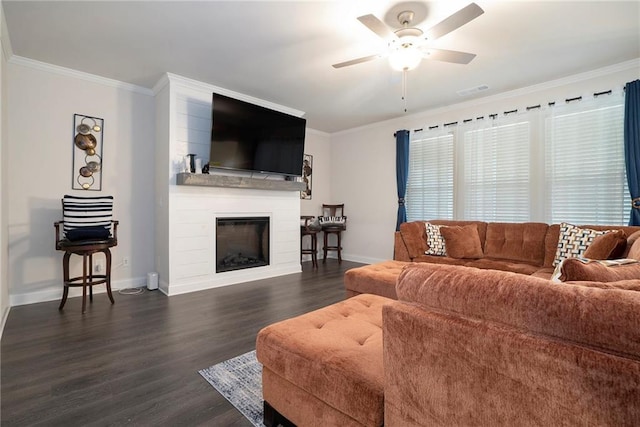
(188, 204)
(193, 212)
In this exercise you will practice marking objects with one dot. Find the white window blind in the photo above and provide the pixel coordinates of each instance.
(430, 181)
(558, 164)
(584, 161)
(496, 173)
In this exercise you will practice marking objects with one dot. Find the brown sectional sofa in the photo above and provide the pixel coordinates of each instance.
(525, 248)
(458, 342)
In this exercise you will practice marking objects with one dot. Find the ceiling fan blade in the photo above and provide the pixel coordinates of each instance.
(455, 21)
(448, 55)
(357, 61)
(377, 26)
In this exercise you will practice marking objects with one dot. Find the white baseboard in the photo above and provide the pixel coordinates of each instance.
(232, 278)
(5, 315)
(361, 259)
(54, 292)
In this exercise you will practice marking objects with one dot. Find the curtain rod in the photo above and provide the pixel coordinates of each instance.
(532, 107)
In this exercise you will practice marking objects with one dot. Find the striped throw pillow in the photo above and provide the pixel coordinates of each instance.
(82, 212)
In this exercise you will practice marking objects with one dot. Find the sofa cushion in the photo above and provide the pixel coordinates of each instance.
(516, 241)
(607, 246)
(544, 273)
(623, 285)
(462, 241)
(503, 265)
(573, 241)
(572, 269)
(414, 237)
(435, 242)
(631, 240)
(379, 279)
(634, 251)
(433, 259)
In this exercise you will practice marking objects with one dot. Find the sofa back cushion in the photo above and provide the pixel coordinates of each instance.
(524, 242)
(605, 318)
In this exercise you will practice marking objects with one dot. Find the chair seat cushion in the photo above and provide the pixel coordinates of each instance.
(88, 233)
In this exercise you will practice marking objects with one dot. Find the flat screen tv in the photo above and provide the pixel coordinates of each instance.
(248, 137)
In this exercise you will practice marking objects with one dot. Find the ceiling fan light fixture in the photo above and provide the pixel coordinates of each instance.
(405, 57)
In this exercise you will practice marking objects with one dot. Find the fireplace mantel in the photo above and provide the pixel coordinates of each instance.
(205, 180)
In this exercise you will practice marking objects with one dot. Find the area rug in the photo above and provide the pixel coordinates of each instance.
(239, 380)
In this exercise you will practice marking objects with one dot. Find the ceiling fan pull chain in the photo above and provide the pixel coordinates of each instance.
(404, 89)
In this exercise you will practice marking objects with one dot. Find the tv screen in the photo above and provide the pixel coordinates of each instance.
(249, 137)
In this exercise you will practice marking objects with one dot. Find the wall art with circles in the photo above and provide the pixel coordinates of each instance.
(87, 152)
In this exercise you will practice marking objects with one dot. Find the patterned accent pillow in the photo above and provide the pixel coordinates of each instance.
(574, 241)
(332, 220)
(84, 212)
(435, 240)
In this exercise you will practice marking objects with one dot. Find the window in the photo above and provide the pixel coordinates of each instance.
(496, 173)
(585, 169)
(430, 181)
(565, 163)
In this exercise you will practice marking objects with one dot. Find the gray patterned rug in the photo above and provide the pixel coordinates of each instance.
(239, 380)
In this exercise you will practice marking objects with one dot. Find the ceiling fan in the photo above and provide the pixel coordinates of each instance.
(407, 46)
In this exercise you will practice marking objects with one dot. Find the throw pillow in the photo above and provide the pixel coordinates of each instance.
(79, 212)
(630, 241)
(607, 246)
(326, 221)
(462, 241)
(634, 252)
(573, 269)
(574, 241)
(435, 241)
(88, 233)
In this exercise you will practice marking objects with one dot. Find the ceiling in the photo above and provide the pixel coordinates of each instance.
(282, 52)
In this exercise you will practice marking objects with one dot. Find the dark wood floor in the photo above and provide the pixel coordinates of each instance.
(137, 362)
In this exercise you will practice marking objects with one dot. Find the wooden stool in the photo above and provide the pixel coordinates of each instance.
(337, 230)
(307, 229)
(333, 222)
(86, 249)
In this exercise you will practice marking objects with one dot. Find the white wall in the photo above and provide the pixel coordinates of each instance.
(4, 278)
(42, 100)
(318, 144)
(363, 159)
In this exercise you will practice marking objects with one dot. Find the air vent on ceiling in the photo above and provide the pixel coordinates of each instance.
(473, 90)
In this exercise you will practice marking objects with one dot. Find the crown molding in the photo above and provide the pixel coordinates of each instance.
(318, 132)
(4, 35)
(527, 90)
(196, 86)
(68, 72)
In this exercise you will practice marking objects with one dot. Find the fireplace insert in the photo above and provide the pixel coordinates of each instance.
(241, 242)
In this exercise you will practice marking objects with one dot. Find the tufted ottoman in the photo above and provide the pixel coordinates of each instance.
(325, 367)
(378, 279)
